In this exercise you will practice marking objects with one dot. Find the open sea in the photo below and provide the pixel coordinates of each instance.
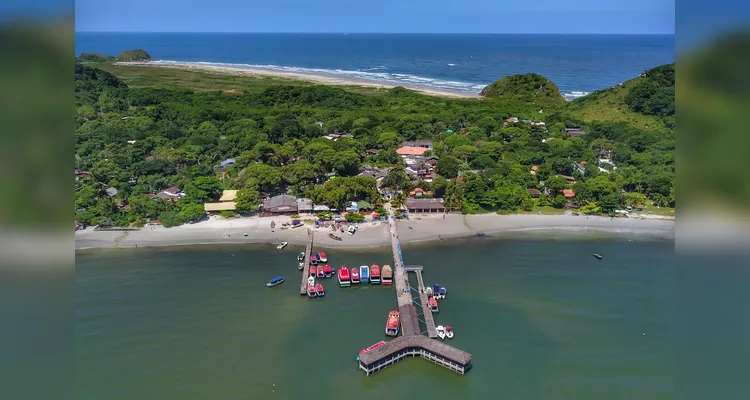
(463, 63)
(542, 318)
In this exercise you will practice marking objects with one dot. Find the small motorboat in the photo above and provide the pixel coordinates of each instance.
(355, 275)
(311, 291)
(436, 289)
(440, 237)
(442, 292)
(428, 290)
(364, 274)
(333, 271)
(310, 280)
(321, 272)
(313, 271)
(375, 274)
(440, 331)
(281, 245)
(433, 305)
(275, 281)
(597, 255)
(393, 323)
(386, 275)
(343, 274)
(322, 257)
(301, 257)
(449, 331)
(319, 290)
(327, 271)
(334, 237)
(373, 347)
(314, 259)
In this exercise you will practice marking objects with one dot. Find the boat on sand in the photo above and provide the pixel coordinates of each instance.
(282, 245)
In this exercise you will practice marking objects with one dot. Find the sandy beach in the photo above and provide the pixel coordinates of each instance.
(420, 228)
(303, 76)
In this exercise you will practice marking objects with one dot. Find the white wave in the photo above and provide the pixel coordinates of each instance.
(451, 65)
(572, 95)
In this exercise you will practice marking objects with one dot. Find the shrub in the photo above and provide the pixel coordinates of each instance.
(353, 217)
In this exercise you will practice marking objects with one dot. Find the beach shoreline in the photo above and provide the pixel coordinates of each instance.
(298, 75)
(423, 228)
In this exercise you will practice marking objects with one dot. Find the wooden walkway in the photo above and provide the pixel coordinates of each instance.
(429, 321)
(306, 269)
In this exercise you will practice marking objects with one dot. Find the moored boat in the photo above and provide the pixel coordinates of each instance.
(436, 289)
(327, 271)
(433, 305)
(314, 259)
(319, 290)
(301, 257)
(364, 274)
(386, 275)
(440, 331)
(311, 291)
(449, 331)
(392, 323)
(301, 265)
(373, 347)
(275, 281)
(428, 290)
(313, 271)
(442, 292)
(333, 271)
(374, 274)
(321, 272)
(344, 279)
(282, 245)
(355, 275)
(310, 280)
(322, 257)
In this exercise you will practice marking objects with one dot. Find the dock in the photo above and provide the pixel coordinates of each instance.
(306, 269)
(412, 342)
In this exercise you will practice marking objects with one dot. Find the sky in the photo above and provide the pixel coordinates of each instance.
(378, 16)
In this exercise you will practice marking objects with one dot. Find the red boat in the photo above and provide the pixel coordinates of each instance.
(319, 290)
(321, 274)
(393, 323)
(313, 271)
(373, 347)
(327, 271)
(343, 273)
(375, 274)
(355, 275)
(322, 257)
(433, 305)
(311, 291)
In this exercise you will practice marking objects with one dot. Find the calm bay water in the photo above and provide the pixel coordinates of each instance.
(543, 319)
(455, 62)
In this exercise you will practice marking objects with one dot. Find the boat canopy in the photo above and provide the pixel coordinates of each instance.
(277, 279)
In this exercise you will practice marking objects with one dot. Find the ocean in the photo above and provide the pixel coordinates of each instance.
(463, 63)
(542, 318)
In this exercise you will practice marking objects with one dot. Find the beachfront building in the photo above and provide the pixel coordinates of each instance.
(281, 204)
(425, 205)
(304, 206)
(226, 203)
(427, 144)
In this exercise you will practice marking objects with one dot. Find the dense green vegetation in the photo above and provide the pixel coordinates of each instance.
(653, 93)
(134, 55)
(143, 140)
(527, 87)
(95, 58)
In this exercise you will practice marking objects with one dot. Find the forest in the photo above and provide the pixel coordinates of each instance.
(143, 140)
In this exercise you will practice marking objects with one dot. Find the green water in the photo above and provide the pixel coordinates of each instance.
(542, 318)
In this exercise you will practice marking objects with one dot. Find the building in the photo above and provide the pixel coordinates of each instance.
(574, 132)
(304, 205)
(568, 193)
(419, 192)
(228, 162)
(425, 205)
(111, 192)
(427, 144)
(569, 178)
(373, 152)
(534, 192)
(281, 204)
(411, 151)
(221, 206)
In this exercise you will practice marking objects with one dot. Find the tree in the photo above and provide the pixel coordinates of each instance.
(591, 208)
(260, 177)
(609, 202)
(397, 180)
(399, 200)
(453, 196)
(448, 166)
(354, 217)
(247, 200)
(557, 183)
(202, 189)
(191, 212)
(558, 201)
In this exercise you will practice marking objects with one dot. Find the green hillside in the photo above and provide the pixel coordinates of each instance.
(134, 55)
(645, 101)
(531, 88)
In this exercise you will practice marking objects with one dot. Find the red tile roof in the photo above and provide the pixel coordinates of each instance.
(411, 151)
(569, 193)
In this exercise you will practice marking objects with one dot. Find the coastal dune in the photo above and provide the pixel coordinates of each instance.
(420, 228)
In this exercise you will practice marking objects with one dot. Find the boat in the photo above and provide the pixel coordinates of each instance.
(313, 271)
(327, 271)
(344, 280)
(597, 255)
(428, 290)
(321, 272)
(322, 257)
(273, 224)
(334, 237)
(301, 266)
(373, 347)
(435, 289)
(374, 274)
(393, 323)
(355, 275)
(310, 280)
(311, 291)
(301, 257)
(314, 259)
(440, 331)
(442, 292)
(440, 237)
(281, 245)
(275, 281)
(333, 271)
(386, 275)
(364, 274)
(433, 305)
(319, 290)
(449, 331)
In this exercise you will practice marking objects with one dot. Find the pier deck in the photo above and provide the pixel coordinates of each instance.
(415, 345)
(306, 269)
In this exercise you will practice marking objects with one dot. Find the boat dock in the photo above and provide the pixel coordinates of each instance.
(412, 342)
(306, 269)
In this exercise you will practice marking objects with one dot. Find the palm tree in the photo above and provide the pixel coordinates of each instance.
(453, 196)
(399, 200)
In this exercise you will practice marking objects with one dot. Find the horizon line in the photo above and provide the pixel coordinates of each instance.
(393, 33)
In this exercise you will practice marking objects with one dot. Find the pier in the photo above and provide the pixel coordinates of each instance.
(412, 343)
(306, 268)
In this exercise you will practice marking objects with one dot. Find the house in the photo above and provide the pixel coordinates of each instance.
(511, 120)
(364, 205)
(227, 162)
(348, 136)
(580, 167)
(432, 163)
(218, 207)
(568, 193)
(170, 193)
(82, 174)
(547, 140)
(411, 151)
(569, 178)
(373, 152)
(427, 144)
(425, 205)
(534, 169)
(321, 208)
(574, 132)
(419, 192)
(534, 192)
(228, 195)
(304, 205)
(281, 204)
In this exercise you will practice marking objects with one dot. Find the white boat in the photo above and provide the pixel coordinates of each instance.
(449, 331)
(301, 266)
(428, 290)
(311, 280)
(351, 230)
(441, 331)
(281, 245)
